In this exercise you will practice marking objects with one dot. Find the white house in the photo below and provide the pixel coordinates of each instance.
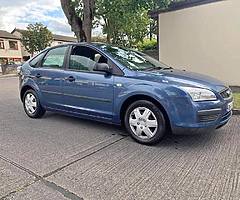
(202, 36)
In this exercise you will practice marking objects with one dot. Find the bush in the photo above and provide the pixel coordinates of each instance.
(99, 39)
(236, 97)
(147, 45)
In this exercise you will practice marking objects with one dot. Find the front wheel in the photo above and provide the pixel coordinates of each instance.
(145, 122)
(32, 104)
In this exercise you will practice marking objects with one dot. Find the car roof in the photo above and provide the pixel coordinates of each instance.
(90, 44)
(82, 43)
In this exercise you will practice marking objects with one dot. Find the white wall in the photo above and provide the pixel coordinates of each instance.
(203, 39)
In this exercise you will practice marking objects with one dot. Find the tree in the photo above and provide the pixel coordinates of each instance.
(80, 14)
(122, 20)
(126, 21)
(36, 38)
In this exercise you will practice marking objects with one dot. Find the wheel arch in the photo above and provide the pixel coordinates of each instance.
(137, 97)
(24, 89)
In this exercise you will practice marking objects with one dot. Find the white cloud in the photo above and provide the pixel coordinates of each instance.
(19, 13)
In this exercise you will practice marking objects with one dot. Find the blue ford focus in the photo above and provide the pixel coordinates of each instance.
(125, 87)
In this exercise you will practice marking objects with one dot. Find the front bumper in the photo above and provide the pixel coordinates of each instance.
(199, 117)
(201, 128)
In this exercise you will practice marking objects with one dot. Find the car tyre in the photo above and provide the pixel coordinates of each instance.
(145, 122)
(31, 104)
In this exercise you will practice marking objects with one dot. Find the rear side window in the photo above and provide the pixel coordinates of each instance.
(54, 58)
(35, 61)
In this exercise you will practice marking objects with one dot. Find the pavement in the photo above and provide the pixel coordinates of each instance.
(64, 158)
(8, 75)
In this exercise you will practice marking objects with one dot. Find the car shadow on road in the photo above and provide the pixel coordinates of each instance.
(170, 140)
(75, 120)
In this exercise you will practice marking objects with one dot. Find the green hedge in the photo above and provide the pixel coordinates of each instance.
(147, 45)
(236, 97)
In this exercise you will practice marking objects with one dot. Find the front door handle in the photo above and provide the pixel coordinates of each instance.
(70, 79)
(38, 76)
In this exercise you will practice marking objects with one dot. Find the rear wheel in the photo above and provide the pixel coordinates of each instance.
(32, 104)
(145, 122)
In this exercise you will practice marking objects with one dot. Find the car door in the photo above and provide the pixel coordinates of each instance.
(86, 91)
(49, 76)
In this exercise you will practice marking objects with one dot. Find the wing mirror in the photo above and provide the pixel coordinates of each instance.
(102, 67)
(19, 70)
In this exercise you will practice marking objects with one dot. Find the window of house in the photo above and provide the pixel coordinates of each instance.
(84, 58)
(1, 44)
(13, 45)
(55, 58)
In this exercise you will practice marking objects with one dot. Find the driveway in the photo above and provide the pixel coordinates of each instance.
(60, 157)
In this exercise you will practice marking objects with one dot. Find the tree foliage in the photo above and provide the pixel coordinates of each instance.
(125, 22)
(36, 38)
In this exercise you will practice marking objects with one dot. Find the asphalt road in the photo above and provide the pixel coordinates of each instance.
(60, 157)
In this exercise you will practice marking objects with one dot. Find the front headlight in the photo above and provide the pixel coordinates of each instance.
(200, 94)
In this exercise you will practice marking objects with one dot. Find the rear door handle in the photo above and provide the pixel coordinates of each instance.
(70, 79)
(38, 76)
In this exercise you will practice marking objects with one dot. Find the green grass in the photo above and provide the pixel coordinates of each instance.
(236, 97)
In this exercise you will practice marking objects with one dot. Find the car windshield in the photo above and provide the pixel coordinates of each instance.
(132, 59)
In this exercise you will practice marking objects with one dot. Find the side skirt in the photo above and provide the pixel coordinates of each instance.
(83, 116)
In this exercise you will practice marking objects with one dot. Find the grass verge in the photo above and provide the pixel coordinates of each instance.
(236, 97)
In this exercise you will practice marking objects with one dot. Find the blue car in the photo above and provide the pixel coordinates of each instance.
(116, 85)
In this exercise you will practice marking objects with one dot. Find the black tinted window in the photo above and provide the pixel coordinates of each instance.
(55, 58)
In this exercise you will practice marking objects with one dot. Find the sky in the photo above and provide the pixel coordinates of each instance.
(19, 13)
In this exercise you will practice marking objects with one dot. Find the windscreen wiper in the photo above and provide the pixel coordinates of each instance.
(153, 68)
(166, 68)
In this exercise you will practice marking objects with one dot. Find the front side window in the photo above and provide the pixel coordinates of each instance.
(35, 61)
(1, 44)
(54, 58)
(13, 45)
(84, 58)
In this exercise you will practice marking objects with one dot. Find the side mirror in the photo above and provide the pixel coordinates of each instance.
(102, 67)
(19, 70)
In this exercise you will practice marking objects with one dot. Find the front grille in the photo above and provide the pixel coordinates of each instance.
(207, 117)
(227, 93)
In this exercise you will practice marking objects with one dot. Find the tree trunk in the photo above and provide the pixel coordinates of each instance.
(74, 20)
(88, 15)
(107, 25)
(151, 31)
(108, 38)
(81, 27)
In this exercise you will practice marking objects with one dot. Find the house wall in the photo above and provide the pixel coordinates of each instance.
(8, 53)
(23, 50)
(204, 39)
